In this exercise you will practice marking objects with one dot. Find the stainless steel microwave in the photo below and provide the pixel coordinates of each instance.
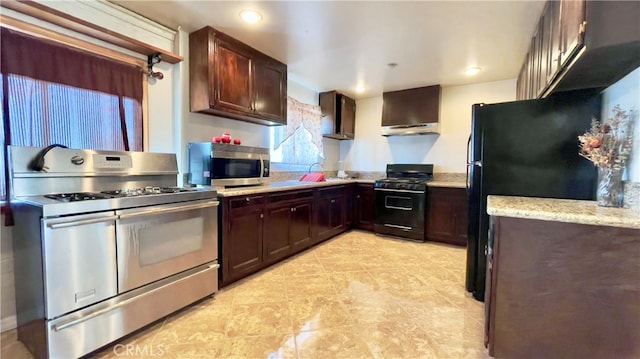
(219, 164)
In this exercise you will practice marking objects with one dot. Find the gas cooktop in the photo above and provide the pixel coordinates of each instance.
(406, 177)
(119, 193)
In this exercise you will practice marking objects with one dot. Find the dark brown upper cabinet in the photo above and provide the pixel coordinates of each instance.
(338, 115)
(581, 44)
(414, 107)
(230, 79)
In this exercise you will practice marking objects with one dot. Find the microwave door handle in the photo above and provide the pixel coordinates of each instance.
(261, 168)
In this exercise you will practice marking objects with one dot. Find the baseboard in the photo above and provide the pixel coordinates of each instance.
(8, 323)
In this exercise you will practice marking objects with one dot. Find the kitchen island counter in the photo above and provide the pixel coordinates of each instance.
(562, 210)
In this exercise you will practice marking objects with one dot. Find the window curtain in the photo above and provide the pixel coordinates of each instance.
(302, 116)
(55, 94)
(47, 61)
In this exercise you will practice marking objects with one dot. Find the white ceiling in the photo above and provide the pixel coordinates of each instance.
(339, 45)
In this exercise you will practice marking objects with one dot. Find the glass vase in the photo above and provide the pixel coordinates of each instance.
(610, 188)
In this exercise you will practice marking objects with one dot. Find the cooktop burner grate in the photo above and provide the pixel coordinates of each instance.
(75, 197)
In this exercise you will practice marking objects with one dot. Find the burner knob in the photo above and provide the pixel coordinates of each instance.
(77, 160)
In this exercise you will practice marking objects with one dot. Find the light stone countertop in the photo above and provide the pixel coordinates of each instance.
(450, 184)
(295, 185)
(284, 186)
(562, 210)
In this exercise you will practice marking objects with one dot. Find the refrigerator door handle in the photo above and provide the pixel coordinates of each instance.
(467, 179)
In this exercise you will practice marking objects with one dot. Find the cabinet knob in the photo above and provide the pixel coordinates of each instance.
(358, 196)
(247, 199)
(261, 215)
(333, 201)
(291, 209)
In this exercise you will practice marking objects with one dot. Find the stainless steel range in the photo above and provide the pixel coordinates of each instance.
(104, 244)
(401, 201)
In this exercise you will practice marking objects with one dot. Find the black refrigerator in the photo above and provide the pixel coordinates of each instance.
(525, 148)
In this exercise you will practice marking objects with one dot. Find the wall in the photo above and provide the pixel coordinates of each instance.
(371, 151)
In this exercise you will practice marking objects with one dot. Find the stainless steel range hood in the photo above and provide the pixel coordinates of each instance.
(432, 128)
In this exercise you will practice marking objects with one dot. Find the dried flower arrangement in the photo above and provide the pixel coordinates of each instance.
(608, 145)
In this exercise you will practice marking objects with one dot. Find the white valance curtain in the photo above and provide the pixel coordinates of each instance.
(302, 117)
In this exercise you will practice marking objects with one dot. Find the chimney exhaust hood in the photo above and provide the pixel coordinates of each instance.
(413, 111)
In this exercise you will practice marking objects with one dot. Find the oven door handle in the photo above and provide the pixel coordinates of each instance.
(398, 190)
(81, 222)
(169, 210)
(59, 327)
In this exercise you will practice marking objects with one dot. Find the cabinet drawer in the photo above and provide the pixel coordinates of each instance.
(246, 201)
(289, 196)
(330, 192)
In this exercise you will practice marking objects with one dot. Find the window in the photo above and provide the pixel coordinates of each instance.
(72, 98)
(300, 141)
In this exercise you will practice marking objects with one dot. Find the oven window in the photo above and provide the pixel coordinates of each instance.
(234, 168)
(398, 202)
(165, 241)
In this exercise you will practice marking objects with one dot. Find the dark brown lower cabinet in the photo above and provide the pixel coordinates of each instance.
(364, 206)
(330, 214)
(241, 230)
(447, 215)
(276, 233)
(301, 223)
(562, 290)
(288, 224)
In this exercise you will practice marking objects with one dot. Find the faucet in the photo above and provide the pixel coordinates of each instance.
(316, 163)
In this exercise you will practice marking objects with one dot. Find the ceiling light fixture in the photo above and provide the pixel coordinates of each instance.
(392, 65)
(360, 89)
(250, 16)
(472, 71)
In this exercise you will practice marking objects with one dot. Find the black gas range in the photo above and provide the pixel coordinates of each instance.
(401, 201)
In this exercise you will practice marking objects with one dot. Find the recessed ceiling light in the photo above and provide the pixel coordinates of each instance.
(472, 71)
(360, 89)
(250, 16)
(392, 65)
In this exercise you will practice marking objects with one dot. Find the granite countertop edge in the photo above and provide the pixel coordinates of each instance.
(284, 186)
(450, 184)
(562, 210)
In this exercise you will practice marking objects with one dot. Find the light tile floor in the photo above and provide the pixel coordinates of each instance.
(355, 296)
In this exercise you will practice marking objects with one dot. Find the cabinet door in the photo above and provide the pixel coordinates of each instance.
(338, 115)
(348, 117)
(243, 244)
(447, 216)
(552, 20)
(462, 219)
(365, 207)
(300, 227)
(270, 84)
(440, 216)
(232, 73)
(323, 219)
(337, 213)
(276, 233)
(330, 213)
(572, 15)
(349, 206)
